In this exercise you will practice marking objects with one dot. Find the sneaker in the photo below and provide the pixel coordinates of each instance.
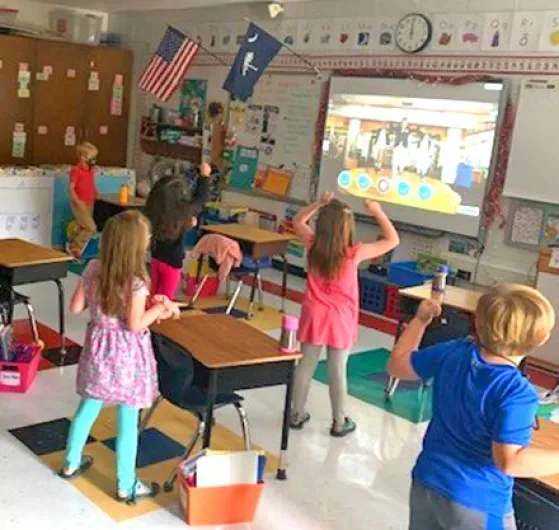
(139, 492)
(339, 431)
(298, 421)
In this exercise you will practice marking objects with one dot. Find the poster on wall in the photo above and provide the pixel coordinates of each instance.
(192, 106)
(445, 32)
(363, 36)
(288, 33)
(244, 168)
(308, 32)
(525, 32)
(384, 34)
(496, 32)
(470, 31)
(343, 33)
(325, 35)
(549, 35)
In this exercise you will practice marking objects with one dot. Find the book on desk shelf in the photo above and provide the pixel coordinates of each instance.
(224, 468)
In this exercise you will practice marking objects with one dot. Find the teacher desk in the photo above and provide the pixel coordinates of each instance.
(230, 355)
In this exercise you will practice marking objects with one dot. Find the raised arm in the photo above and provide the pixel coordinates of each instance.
(301, 220)
(202, 190)
(390, 240)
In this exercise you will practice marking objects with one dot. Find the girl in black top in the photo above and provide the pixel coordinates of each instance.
(171, 214)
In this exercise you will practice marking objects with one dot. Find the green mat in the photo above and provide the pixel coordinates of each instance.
(367, 380)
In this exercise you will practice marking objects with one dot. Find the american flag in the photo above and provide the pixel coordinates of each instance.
(168, 66)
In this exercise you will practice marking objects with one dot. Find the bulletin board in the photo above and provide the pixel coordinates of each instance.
(280, 121)
(531, 225)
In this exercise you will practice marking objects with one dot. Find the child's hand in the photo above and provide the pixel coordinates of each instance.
(205, 169)
(170, 310)
(326, 198)
(160, 299)
(428, 310)
(373, 207)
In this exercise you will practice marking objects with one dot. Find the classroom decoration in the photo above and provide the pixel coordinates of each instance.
(256, 52)
(192, 105)
(244, 168)
(168, 66)
(525, 225)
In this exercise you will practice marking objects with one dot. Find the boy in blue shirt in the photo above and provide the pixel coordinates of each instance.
(484, 411)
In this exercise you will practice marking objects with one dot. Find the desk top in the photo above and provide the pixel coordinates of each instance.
(456, 297)
(133, 202)
(247, 233)
(548, 437)
(221, 341)
(16, 253)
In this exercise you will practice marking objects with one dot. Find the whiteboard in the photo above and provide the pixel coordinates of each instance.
(291, 104)
(26, 208)
(533, 161)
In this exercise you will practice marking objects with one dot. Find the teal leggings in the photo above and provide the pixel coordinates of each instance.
(126, 441)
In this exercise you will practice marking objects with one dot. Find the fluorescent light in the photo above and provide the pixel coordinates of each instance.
(495, 87)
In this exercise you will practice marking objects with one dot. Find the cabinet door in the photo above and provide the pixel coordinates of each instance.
(16, 53)
(59, 101)
(107, 109)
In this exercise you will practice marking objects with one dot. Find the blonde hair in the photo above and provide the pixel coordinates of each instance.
(124, 243)
(86, 150)
(512, 320)
(333, 237)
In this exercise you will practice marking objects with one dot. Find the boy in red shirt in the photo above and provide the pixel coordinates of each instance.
(82, 196)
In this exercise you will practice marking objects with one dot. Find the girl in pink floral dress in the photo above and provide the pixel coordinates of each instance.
(117, 365)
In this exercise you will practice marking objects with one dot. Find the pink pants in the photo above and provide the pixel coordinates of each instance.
(164, 279)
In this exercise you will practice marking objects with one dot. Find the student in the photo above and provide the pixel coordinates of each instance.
(484, 411)
(330, 309)
(82, 196)
(171, 215)
(117, 366)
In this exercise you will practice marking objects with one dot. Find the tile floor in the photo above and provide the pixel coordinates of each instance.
(360, 482)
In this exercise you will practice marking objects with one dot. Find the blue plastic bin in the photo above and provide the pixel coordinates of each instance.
(405, 274)
(372, 292)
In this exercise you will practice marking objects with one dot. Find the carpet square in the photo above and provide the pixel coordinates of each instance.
(45, 438)
(153, 447)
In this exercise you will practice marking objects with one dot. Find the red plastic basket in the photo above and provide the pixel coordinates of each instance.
(392, 309)
(17, 377)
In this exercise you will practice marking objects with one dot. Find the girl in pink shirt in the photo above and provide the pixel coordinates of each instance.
(330, 309)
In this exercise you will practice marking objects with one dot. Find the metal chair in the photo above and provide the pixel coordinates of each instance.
(11, 298)
(175, 370)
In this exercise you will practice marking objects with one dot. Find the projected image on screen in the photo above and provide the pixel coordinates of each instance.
(417, 152)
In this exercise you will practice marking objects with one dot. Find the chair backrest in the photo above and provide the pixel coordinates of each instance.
(175, 368)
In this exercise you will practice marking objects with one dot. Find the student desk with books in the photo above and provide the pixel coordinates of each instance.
(256, 244)
(536, 501)
(457, 298)
(230, 355)
(22, 262)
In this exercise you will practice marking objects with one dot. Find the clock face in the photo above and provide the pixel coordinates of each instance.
(413, 33)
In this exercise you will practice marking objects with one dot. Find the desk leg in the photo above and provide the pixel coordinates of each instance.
(212, 391)
(199, 269)
(393, 382)
(61, 316)
(283, 461)
(252, 293)
(284, 283)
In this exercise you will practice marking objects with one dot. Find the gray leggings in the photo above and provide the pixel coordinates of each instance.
(337, 364)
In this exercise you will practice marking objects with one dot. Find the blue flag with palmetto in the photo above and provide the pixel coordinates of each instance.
(257, 51)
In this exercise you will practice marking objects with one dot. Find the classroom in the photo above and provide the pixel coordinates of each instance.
(273, 264)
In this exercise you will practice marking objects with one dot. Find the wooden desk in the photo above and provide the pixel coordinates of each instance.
(464, 300)
(257, 244)
(229, 356)
(22, 263)
(108, 206)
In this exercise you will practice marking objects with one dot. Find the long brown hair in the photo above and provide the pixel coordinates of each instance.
(333, 237)
(168, 209)
(124, 243)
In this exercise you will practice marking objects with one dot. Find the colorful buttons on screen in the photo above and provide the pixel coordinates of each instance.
(425, 192)
(344, 179)
(383, 185)
(404, 189)
(364, 182)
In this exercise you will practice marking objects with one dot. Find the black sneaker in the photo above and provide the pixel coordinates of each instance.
(340, 431)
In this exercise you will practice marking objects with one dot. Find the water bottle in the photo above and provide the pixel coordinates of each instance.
(438, 286)
(288, 339)
(123, 195)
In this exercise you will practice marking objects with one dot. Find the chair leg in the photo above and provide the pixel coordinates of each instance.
(244, 425)
(198, 291)
(227, 288)
(170, 482)
(149, 414)
(234, 297)
(260, 292)
(32, 321)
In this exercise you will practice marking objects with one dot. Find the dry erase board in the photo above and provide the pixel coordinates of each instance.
(533, 162)
(280, 120)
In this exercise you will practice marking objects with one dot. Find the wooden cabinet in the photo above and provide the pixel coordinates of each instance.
(107, 129)
(15, 53)
(63, 108)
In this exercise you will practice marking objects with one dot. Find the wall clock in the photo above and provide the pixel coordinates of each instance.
(413, 33)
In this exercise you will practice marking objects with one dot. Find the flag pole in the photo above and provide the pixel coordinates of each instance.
(199, 42)
(291, 50)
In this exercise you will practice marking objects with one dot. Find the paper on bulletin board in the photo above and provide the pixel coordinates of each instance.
(362, 38)
(278, 181)
(344, 30)
(527, 226)
(470, 32)
(93, 83)
(525, 32)
(385, 33)
(445, 32)
(71, 73)
(42, 130)
(41, 76)
(496, 32)
(244, 168)
(19, 141)
(549, 34)
(23, 93)
(70, 136)
(117, 96)
(103, 130)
